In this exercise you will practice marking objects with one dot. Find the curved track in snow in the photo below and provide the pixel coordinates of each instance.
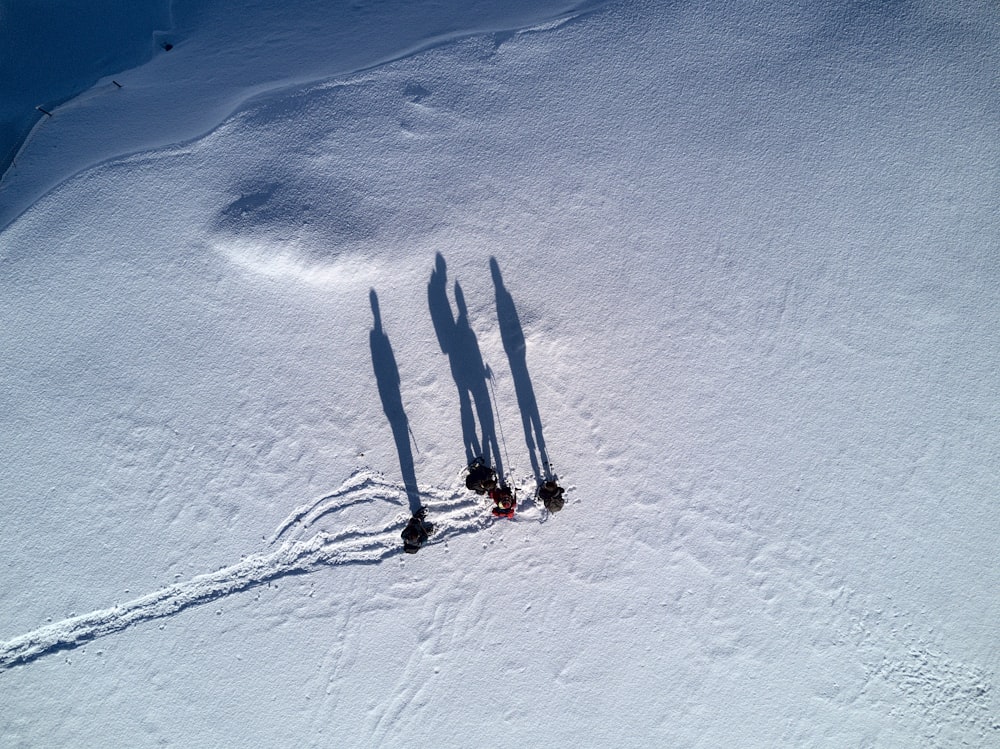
(453, 513)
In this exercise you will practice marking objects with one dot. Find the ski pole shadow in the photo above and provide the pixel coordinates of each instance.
(512, 335)
(458, 341)
(387, 379)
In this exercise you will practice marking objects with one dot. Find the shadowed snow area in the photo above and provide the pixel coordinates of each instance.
(729, 273)
(208, 56)
(52, 51)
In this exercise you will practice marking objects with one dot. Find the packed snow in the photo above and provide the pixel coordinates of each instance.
(274, 276)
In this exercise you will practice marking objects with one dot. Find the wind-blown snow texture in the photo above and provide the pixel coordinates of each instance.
(731, 270)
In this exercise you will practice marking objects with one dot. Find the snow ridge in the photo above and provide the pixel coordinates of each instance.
(453, 512)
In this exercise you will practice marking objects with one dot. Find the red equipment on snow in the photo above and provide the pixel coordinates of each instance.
(504, 503)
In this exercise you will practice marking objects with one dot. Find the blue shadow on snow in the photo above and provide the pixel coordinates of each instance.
(387, 378)
(458, 341)
(512, 336)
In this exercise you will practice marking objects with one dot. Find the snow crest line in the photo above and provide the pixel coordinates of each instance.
(453, 515)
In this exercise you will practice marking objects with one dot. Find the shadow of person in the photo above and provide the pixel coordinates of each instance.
(387, 379)
(458, 341)
(474, 376)
(512, 336)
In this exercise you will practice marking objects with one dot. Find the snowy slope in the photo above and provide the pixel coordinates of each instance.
(51, 52)
(212, 56)
(752, 256)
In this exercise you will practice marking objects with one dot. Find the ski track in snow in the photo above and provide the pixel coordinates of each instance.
(452, 512)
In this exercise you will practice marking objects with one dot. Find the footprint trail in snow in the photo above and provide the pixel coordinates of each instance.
(453, 512)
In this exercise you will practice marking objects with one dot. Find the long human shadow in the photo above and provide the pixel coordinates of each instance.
(471, 375)
(387, 379)
(512, 335)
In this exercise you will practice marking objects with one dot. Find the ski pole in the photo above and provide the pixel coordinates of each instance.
(496, 409)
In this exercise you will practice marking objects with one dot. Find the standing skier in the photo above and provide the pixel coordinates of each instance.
(415, 533)
(551, 495)
(503, 501)
(481, 478)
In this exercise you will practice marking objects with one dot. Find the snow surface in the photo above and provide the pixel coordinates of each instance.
(253, 295)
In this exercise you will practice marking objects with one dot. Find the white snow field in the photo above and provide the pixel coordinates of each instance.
(267, 296)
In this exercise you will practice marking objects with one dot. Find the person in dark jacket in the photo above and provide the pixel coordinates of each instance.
(416, 531)
(481, 478)
(551, 495)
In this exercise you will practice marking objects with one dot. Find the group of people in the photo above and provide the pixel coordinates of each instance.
(483, 480)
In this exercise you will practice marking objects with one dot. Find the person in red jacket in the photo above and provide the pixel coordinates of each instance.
(503, 501)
